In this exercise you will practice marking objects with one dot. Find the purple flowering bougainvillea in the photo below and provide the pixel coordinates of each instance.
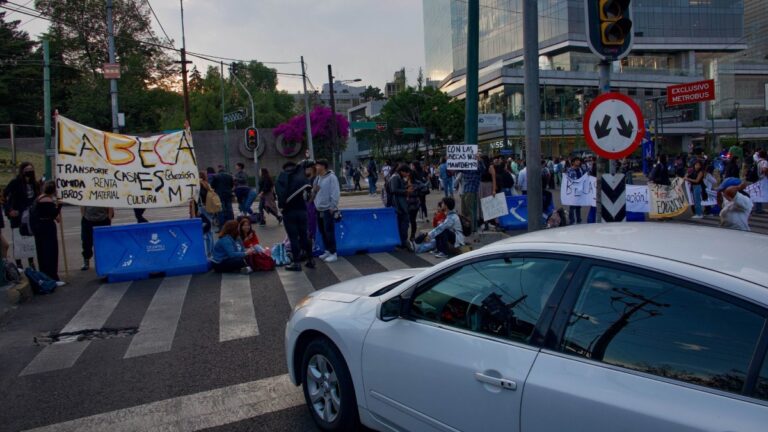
(294, 131)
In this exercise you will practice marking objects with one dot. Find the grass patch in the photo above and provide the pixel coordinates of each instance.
(8, 171)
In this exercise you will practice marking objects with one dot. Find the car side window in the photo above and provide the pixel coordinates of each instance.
(662, 328)
(761, 387)
(501, 297)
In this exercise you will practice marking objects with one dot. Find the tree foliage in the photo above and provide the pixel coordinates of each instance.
(18, 69)
(429, 108)
(372, 93)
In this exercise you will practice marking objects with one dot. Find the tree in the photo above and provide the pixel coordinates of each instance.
(18, 69)
(420, 80)
(295, 129)
(372, 93)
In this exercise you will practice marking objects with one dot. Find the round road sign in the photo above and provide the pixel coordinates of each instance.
(613, 126)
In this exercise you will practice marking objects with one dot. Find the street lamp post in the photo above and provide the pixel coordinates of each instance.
(334, 131)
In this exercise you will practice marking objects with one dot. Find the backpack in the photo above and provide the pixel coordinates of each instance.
(466, 225)
(280, 255)
(40, 282)
(261, 262)
(752, 174)
(212, 201)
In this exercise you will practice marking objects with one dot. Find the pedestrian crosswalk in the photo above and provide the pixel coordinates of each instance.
(237, 295)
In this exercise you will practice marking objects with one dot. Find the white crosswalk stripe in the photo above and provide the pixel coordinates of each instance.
(194, 412)
(295, 284)
(237, 317)
(158, 326)
(93, 315)
(388, 261)
(344, 270)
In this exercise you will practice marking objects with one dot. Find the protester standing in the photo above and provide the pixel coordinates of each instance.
(660, 173)
(574, 173)
(46, 213)
(327, 196)
(267, 198)
(471, 186)
(311, 173)
(446, 178)
(222, 184)
(20, 193)
(761, 159)
(92, 217)
(240, 180)
(696, 179)
(397, 187)
(522, 181)
(356, 179)
(732, 168)
(291, 187)
(373, 176)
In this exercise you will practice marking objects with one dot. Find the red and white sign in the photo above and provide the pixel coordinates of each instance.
(613, 126)
(690, 93)
(111, 70)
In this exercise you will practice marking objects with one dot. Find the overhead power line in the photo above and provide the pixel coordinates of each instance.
(170, 41)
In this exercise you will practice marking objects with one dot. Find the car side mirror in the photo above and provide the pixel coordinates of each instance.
(391, 309)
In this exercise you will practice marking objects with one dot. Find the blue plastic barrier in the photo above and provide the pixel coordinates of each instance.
(517, 218)
(635, 217)
(131, 252)
(364, 231)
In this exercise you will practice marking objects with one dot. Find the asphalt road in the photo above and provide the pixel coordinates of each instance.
(208, 353)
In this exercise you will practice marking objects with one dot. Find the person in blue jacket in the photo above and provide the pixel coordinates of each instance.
(229, 254)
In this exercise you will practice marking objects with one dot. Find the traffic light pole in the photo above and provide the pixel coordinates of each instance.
(532, 113)
(226, 135)
(605, 87)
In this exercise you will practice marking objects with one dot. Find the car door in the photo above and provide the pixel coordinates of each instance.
(459, 357)
(639, 352)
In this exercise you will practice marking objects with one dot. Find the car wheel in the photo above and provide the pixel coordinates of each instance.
(328, 388)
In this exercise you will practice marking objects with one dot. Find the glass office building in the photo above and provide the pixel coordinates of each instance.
(676, 41)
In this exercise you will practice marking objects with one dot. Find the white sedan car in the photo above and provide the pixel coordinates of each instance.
(621, 327)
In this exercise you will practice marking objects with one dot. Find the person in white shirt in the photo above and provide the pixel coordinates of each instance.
(761, 159)
(736, 206)
(522, 181)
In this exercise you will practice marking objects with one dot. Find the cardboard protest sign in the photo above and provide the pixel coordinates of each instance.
(758, 192)
(668, 201)
(494, 207)
(23, 246)
(95, 168)
(579, 192)
(461, 157)
(711, 196)
(637, 199)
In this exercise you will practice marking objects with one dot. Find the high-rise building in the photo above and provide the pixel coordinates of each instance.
(675, 42)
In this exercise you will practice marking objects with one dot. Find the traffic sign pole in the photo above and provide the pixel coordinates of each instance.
(605, 87)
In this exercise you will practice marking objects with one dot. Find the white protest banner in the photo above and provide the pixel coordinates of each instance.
(758, 192)
(637, 199)
(461, 157)
(494, 207)
(579, 192)
(23, 246)
(711, 196)
(668, 201)
(95, 168)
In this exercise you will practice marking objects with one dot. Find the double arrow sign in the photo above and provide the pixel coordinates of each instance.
(625, 129)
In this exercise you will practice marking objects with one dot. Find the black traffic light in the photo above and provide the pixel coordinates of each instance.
(609, 28)
(251, 138)
(615, 25)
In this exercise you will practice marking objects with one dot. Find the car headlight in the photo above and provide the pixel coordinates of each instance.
(300, 305)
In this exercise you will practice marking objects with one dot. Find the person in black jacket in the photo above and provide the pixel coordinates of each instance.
(223, 184)
(20, 194)
(660, 173)
(292, 187)
(397, 187)
(267, 197)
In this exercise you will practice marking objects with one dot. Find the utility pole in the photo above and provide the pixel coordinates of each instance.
(47, 105)
(223, 112)
(13, 144)
(333, 117)
(471, 89)
(532, 112)
(310, 144)
(185, 87)
(112, 82)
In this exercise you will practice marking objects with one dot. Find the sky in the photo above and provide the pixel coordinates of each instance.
(366, 39)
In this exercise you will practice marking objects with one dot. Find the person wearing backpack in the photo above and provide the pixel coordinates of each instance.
(223, 184)
(291, 188)
(449, 234)
(46, 212)
(92, 217)
(19, 196)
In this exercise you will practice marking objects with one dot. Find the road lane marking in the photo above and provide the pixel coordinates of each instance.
(295, 284)
(158, 327)
(92, 315)
(237, 316)
(389, 261)
(344, 270)
(194, 412)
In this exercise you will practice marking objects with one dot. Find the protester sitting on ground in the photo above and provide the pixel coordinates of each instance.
(248, 235)
(448, 234)
(440, 214)
(736, 205)
(229, 253)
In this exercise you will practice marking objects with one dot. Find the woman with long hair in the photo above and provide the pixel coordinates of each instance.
(267, 197)
(247, 234)
(46, 213)
(20, 194)
(696, 179)
(229, 253)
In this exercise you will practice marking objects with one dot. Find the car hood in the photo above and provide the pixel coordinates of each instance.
(353, 289)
